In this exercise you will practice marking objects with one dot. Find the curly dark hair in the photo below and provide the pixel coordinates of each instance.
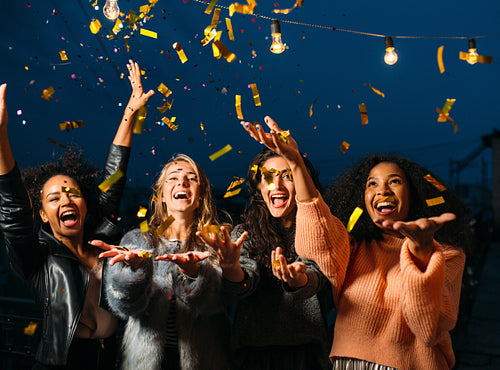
(71, 164)
(265, 231)
(348, 190)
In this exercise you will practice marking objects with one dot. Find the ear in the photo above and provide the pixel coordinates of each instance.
(43, 216)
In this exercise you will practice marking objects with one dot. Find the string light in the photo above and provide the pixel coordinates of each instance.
(111, 9)
(390, 56)
(473, 55)
(277, 46)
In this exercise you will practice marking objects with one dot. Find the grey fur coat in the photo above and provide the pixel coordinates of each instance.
(143, 298)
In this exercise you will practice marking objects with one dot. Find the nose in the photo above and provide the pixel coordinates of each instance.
(383, 189)
(66, 199)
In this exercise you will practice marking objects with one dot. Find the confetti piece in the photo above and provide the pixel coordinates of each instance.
(170, 123)
(106, 184)
(344, 146)
(311, 110)
(209, 37)
(62, 55)
(145, 254)
(364, 114)
(139, 122)
(283, 136)
(47, 93)
(238, 107)
(354, 218)
(215, 18)
(31, 328)
(144, 226)
(117, 27)
(232, 193)
(236, 182)
(434, 182)
(148, 33)
(229, 29)
(440, 59)
(441, 113)
(286, 11)
(164, 90)
(220, 152)
(68, 125)
(224, 51)
(95, 26)
(210, 6)
(254, 169)
(142, 211)
(255, 93)
(180, 52)
(165, 106)
(377, 91)
(446, 110)
(210, 229)
(276, 264)
(242, 8)
(68, 190)
(56, 143)
(165, 225)
(434, 201)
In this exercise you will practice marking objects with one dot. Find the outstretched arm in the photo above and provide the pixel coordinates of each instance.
(6, 158)
(138, 99)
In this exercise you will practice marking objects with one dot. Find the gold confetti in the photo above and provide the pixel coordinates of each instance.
(229, 29)
(276, 263)
(106, 184)
(62, 55)
(69, 125)
(229, 56)
(164, 90)
(215, 18)
(165, 225)
(237, 181)
(148, 33)
(220, 152)
(242, 8)
(364, 114)
(232, 193)
(478, 58)
(95, 26)
(31, 328)
(170, 123)
(122, 248)
(117, 27)
(283, 136)
(344, 146)
(47, 93)
(377, 91)
(255, 93)
(441, 113)
(145, 254)
(354, 218)
(68, 190)
(286, 11)
(141, 117)
(446, 110)
(254, 169)
(434, 182)
(142, 211)
(144, 226)
(167, 105)
(434, 201)
(440, 59)
(209, 36)
(238, 107)
(180, 52)
(210, 229)
(210, 6)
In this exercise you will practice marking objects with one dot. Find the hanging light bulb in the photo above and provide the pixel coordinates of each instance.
(277, 46)
(111, 9)
(473, 55)
(390, 56)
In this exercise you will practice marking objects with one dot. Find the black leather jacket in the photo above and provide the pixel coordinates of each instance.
(57, 279)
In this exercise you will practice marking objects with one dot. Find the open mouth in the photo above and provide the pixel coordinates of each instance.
(386, 205)
(279, 200)
(181, 195)
(69, 218)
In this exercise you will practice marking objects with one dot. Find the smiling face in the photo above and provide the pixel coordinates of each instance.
(387, 193)
(181, 189)
(280, 199)
(63, 208)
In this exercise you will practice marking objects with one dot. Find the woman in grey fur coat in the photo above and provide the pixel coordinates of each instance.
(165, 282)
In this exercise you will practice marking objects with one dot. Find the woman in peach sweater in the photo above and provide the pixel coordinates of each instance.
(396, 277)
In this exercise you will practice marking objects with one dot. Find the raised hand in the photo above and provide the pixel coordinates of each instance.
(138, 98)
(420, 233)
(130, 257)
(4, 119)
(293, 274)
(187, 262)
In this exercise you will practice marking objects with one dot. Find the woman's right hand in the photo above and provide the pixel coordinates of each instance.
(130, 257)
(138, 98)
(4, 119)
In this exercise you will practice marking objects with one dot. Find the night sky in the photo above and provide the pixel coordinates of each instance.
(332, 70)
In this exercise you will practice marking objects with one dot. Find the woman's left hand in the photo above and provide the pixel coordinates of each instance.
(420, 233)
(293, 274)
(187, 262)
(138, 98)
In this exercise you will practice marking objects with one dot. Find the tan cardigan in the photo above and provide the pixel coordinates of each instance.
(389, 312)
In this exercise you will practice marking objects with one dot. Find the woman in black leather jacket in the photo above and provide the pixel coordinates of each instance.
(58, 264)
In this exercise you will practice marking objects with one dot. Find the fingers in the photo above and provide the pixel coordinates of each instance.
(102, 245)
(272, 124)
(3, 87)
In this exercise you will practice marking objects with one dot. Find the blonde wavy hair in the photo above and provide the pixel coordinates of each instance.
(205, 214)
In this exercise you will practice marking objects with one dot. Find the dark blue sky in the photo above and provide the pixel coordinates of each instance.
(332, 69)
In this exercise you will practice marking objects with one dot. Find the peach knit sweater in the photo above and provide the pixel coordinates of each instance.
(389, 312)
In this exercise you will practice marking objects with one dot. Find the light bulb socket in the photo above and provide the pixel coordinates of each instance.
(275, 26)
(472, 44)
(388, 42)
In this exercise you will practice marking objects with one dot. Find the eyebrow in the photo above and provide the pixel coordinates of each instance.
(390, 176)
(179, 170)
(52, 193)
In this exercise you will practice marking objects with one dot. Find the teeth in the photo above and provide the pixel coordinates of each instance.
(279, 196)
(181, 193)
(385, 204)
(66, 213)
